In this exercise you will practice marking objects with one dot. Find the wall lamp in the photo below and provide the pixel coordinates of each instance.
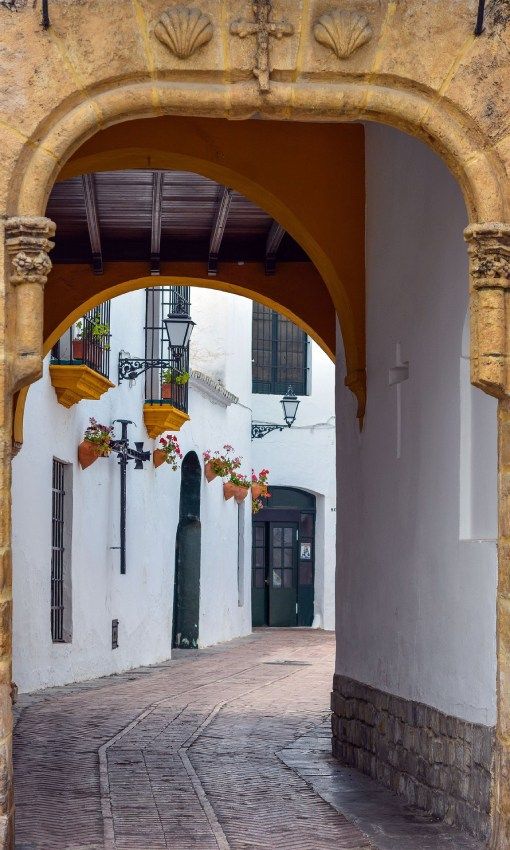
(290, 404)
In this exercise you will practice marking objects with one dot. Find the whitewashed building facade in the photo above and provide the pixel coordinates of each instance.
(113, 622)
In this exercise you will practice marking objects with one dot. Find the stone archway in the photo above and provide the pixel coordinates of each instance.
(432, 100)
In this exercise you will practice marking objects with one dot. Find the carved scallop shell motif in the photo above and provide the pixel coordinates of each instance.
(343, 32)
(183, 29)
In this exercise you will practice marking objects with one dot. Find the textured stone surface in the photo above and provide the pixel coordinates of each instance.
(438, 763)
(183, 755)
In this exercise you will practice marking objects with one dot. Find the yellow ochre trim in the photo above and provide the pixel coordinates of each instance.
(159, 418)
(77, 383)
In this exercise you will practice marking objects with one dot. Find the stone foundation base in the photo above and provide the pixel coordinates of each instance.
(439, 763)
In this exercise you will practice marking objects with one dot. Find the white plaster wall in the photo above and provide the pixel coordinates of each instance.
(142, 600)
(304, 457)
(416, 581)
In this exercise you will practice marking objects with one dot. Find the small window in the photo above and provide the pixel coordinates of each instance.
(61, 528)
(279, 353)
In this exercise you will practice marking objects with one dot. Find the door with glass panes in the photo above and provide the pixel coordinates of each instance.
(275, 588)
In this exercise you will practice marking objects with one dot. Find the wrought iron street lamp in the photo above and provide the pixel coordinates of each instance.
(290, 404)
(179, 327)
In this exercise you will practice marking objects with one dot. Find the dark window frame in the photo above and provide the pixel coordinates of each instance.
(279, 353)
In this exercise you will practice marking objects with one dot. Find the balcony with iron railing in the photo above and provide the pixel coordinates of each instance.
(80, 360)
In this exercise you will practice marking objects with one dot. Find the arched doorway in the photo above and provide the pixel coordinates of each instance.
(187, 557)
(283, 559)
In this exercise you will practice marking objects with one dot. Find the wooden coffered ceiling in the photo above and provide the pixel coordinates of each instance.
(154, 216)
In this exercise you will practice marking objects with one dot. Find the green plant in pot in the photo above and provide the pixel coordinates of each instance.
(172, 378)
(99, 339)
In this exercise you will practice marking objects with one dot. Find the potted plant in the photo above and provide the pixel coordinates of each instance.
(229, 489)
(99, 339)
(241, 484)
(96, 443)
(259, 484)
(170, 379)
(168, 451)
(220, 464)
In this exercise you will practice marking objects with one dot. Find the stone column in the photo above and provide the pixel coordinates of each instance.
(25, 268)
(489, 255)
(27, 241)
(489, 269)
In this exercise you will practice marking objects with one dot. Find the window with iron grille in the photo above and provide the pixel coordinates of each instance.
(279, 353)
(61, 552)
(165, 383)
(87, 342)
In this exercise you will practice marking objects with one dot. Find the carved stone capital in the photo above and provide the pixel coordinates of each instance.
(28, 241)
(489, 268)
(489, 254)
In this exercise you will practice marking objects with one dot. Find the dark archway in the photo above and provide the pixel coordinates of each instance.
(187, 557)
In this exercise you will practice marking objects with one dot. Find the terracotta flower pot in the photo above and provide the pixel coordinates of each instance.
(228, 490)
(158, 457)
(209, 472)
(241, 493)
(88, 453)
(77, 349)
(258, 490)
(169, 391)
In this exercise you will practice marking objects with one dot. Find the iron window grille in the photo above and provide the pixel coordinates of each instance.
(82, 344)
(279, 353)
(162, 301)
(57, 552)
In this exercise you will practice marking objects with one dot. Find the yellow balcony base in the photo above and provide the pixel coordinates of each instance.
(159, 418)
(77, 383)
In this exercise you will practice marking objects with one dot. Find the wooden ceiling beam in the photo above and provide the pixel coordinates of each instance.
(274, 240)
(89, 193)
(158, 178)
(218, 229)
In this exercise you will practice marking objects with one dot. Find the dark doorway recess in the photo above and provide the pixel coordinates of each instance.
(283, 560)
(187, 557)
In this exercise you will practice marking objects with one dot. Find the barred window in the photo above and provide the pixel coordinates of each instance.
(279, 353)
(61, 522)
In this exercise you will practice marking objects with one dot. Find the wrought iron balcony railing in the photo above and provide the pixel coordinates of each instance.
(87, 342)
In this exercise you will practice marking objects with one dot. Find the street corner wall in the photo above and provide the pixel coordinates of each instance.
(221, 348)
(417, 560)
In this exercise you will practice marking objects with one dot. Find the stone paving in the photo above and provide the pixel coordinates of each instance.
(200, 753)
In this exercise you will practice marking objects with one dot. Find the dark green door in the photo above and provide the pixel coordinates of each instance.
(283, 573)
(187, 584)
(259, 595)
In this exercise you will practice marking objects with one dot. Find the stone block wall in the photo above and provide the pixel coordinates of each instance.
(438, 763)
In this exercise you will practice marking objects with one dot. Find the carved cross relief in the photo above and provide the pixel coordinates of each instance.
(263, 28)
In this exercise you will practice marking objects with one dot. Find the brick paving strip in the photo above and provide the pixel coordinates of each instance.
(183, 755)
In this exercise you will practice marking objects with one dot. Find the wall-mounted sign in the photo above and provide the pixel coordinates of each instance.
(306, 552)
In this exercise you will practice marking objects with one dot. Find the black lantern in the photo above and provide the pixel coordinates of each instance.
(178, 328)
(290, 404)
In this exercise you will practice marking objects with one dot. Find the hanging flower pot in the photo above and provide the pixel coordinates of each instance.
(210, 474)
(259, 484)
(88, 453)
(168, 452)
(158, 457)
(96, 443)
(228, 490)
(241, 493)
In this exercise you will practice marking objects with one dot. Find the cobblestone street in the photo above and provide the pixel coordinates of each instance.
(199, 753)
